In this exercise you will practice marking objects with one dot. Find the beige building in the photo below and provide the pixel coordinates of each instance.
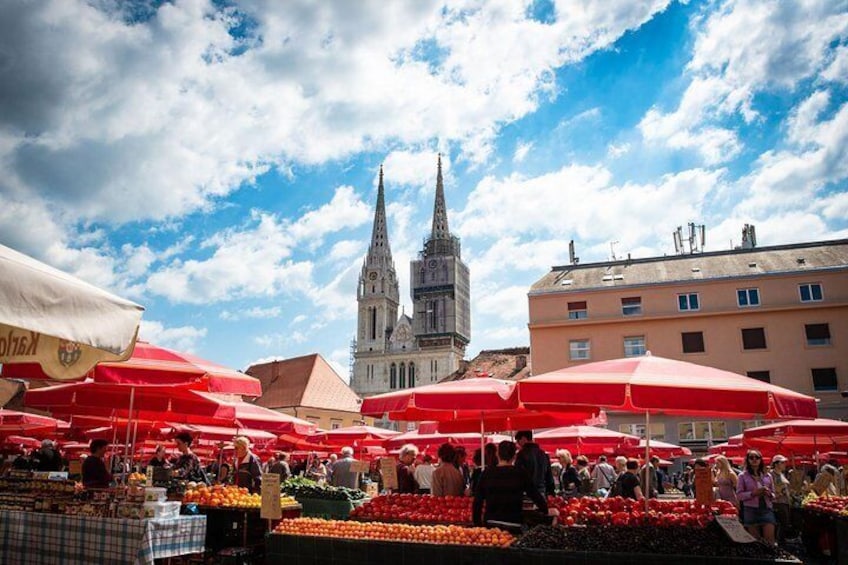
(307, 387)
(779, 314)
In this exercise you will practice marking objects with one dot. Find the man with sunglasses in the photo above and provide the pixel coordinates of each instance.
(755, 492)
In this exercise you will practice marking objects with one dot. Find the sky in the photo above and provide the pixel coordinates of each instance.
(216, 161)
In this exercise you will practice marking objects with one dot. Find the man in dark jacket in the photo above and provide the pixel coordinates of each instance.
(535, 462)
(47, 458)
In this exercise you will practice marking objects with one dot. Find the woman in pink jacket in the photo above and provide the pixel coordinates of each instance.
(755, 492)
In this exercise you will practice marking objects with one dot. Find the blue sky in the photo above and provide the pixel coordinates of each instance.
(217, 161)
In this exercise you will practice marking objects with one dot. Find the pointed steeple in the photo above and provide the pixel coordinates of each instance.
(379, 252)
(440, 210)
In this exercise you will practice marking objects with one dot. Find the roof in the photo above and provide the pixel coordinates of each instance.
(512, 363)
(716, 265)
(307, 381)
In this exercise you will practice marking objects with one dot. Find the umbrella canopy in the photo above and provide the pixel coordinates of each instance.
(430, 442)
(350, 434)
(21, 441)
(799, 436)
(58, 321)
(584, 440)
(728, 449)
(659, 448)
(650, 384)
(222, 433)
(12, 422)
(154, 365)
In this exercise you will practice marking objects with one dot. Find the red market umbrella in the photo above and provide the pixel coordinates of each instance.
(430, 442)
(477, 394)
(799, 436)
(351, 434)
(222, 433)
(728, 449)
(584, 440)
(20, 441)
(13, 422)
(650, 384)
(659, 448)
(154, 365)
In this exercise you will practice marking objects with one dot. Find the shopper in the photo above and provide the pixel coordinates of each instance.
(725, 480)
(316, 470)
(461, 463)
(158, 459)
(826, 482)
(225, 475)
(535, 462)
(630, 486)
(281, 467)
(94, 471)
(490, 458)
(343, 475)
(47, 458)
(447, 479)
(405, 471)
(424, 475)
(187, 464)
(603, 476)
(248, 467)
(699, 464)
(755, 492)
(584, 485)
(502, 489)
(781, 496)
(569, 479)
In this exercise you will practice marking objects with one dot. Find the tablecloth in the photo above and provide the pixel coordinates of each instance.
(30, 538)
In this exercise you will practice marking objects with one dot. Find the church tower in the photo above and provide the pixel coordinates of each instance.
(441, 288)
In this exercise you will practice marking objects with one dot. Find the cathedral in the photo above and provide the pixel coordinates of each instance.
(393, 351)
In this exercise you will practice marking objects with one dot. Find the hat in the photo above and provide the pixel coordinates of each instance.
(778, 459)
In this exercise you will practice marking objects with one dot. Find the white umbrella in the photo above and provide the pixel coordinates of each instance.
(58, 321)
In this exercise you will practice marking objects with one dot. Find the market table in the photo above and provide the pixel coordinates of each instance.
(31, 538)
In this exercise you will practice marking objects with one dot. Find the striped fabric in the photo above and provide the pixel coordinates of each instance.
(29, 538)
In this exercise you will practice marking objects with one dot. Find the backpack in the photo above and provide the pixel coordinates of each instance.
(615, 490)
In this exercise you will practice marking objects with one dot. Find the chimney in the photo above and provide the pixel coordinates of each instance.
(520, 362)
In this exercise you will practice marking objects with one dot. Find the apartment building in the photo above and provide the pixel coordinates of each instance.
(779, 314)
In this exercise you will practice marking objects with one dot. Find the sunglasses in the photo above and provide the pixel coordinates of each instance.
(754, 457)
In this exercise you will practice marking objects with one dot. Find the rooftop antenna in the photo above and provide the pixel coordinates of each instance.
(697, 237)
(678, 240)
(571, 256)
(612, 249)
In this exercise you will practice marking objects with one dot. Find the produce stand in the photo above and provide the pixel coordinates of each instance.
(235, 527)
(41, 538)
(335, 509)
(305, 550)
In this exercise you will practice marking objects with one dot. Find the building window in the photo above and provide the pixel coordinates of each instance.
(753, 338)
(631, 306)
(402, 379)
(393, 376)
(634, 346)
(702, 431)
(578, 349)
(817, 334)
(824, 380)
(764, 376)
(411, 374)
(577, 310)
(335, 425)
(810, 292)
(747, 297)
(432, 314)
(688, 302)
(693, 342)
(748, 424)
(657, 430)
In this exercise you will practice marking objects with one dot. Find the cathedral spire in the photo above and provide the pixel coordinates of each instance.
(440, 211)
(379, 249)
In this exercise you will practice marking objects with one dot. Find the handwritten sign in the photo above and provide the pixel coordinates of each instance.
(734, 529)
(359, 467)
(271, 509)
(388, 468)
(703, 485)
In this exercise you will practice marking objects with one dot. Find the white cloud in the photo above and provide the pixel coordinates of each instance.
(741, 49)
(182, 338)
(177, 111)
(257, 312)
(837, 71)
(345, 210)
(346, 249)
(522, 148)
(280, 340)
(508, 304)
(299, 319)
(617, 150)
(413, 168)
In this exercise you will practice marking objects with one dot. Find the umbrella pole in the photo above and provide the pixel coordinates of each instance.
(114, 439)
(129, 418)
(482, 444)
(135, 437)
(647, 492)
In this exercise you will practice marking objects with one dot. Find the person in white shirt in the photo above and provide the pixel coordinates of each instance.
(603, 475)
(424, 475)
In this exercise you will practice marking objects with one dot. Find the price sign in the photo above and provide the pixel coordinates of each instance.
(388, 468)
(359, 467)
(271, 509)
(75, 467)
(734, 529)
(703, 485)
